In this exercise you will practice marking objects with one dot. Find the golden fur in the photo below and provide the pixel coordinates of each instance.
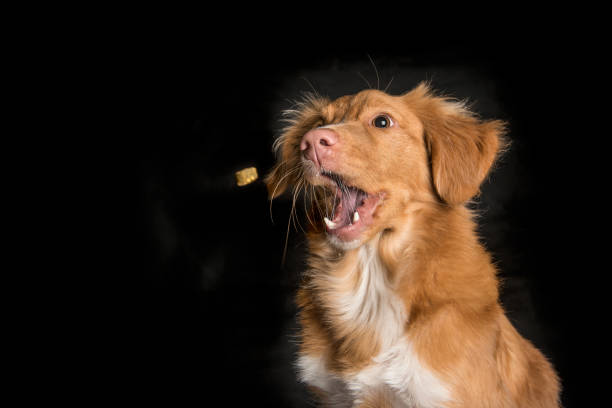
(426, 167)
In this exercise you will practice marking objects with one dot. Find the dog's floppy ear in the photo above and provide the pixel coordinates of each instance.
(462, 148)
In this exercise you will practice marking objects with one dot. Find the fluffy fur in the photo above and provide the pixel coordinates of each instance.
(408, 314)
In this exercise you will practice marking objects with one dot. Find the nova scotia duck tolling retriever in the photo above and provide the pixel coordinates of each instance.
(399, 303)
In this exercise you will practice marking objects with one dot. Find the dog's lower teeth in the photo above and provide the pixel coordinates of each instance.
(355, 217)
(330, 224)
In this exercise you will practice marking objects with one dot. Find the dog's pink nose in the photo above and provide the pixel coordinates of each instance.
(317, 144)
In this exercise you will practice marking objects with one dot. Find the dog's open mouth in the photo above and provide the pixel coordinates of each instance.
(353, 209)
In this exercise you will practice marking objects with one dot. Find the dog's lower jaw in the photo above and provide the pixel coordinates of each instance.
(366, 236)
(344, 245)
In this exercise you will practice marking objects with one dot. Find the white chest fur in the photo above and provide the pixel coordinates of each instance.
(396, 369)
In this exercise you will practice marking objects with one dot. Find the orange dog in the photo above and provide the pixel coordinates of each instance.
(399, 306)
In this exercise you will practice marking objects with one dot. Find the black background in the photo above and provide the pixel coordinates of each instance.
(207, 309)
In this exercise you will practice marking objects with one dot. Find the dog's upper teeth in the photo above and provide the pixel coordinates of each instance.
(330, 224)
(355, 216)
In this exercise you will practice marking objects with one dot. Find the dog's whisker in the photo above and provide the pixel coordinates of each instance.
(375, 70)
(311, 87)
(306, 207)
(387, 87)
(294, 217)
(288, 173)
(317, 197)
(291, 215)
(297, 218)
(364, 78)
(315, 202)
(326, 201)
(334, 204)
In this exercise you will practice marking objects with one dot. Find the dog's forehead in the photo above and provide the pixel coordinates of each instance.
(364, 101)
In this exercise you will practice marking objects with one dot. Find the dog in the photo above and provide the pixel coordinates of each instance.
(399, 305)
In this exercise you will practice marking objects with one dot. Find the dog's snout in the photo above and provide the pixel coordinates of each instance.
(317, 144)
(319, 137)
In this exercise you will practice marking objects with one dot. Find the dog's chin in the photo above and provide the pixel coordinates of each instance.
(352, 236)
(337, 243)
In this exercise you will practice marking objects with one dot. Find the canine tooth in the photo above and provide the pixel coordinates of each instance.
(355, 216)
(330, 224)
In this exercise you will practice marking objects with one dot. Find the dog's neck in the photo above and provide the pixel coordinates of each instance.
(354, 293)
(367, 292)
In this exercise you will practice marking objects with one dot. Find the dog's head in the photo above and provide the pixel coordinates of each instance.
(361, 159)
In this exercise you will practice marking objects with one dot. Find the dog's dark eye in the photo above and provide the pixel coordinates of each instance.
(382, 121)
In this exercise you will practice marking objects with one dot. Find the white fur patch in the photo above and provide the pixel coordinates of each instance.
(312, 371)
(372, 303)
(397, 369)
